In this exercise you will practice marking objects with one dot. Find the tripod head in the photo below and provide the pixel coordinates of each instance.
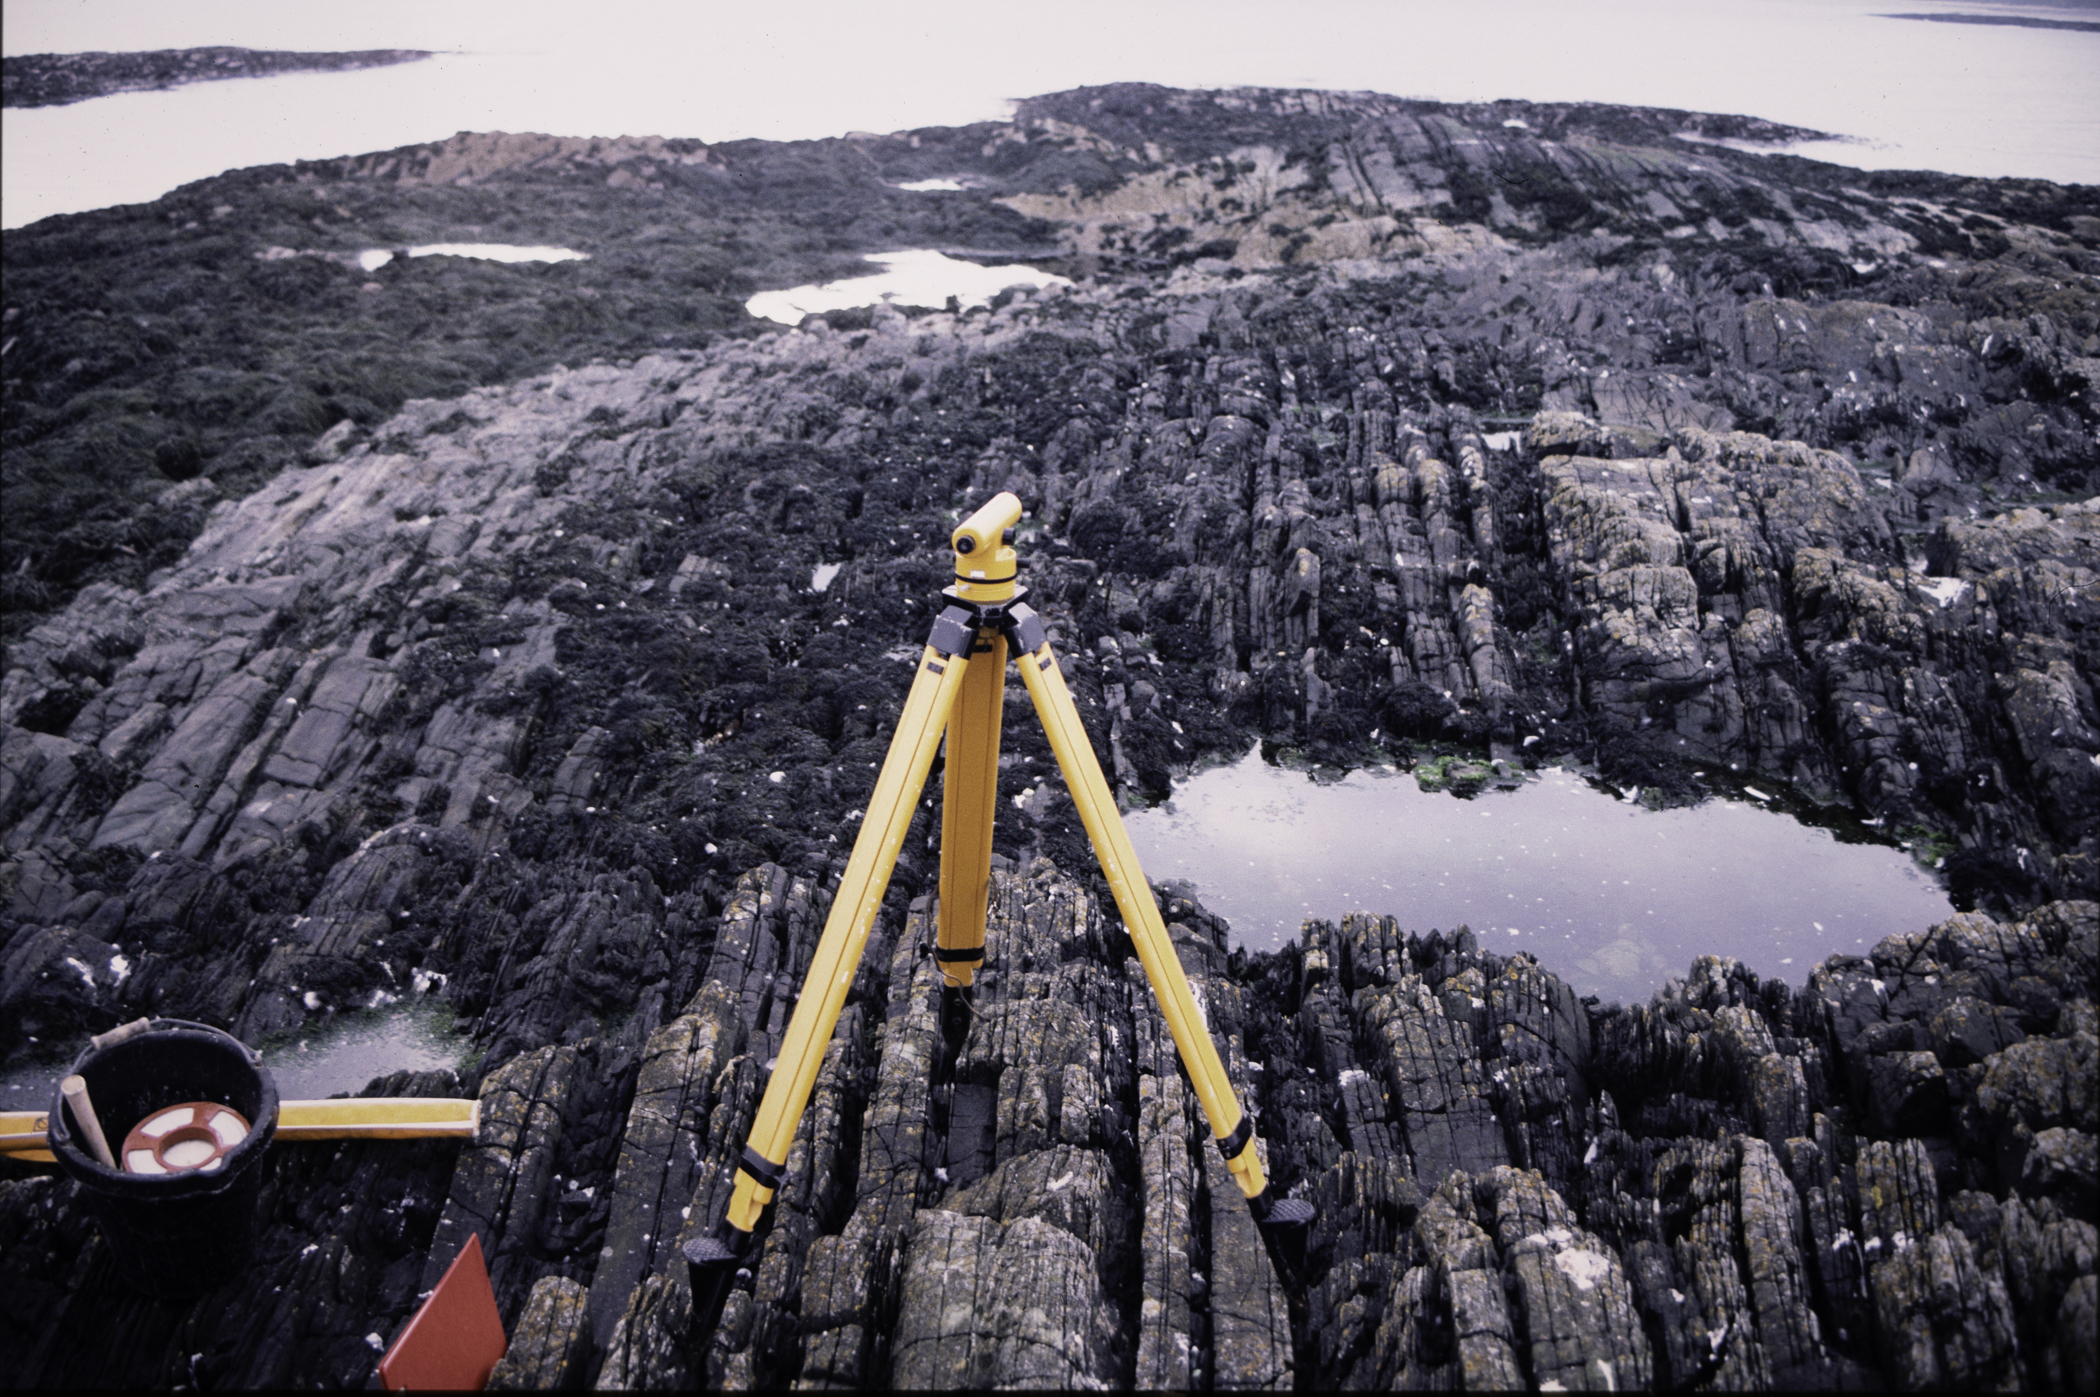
(985, 562)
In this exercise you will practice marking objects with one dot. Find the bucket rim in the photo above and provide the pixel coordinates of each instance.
(161, 1025)
(84, 1167)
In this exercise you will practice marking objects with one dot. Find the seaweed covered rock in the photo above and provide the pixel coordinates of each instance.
(1512, 1188)
(557, 696)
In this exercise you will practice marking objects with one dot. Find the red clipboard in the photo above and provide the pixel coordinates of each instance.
(456, 1339)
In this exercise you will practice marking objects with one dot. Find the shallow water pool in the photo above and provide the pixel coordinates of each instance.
(373, 258)
(1609, 895)
(915, 277)
(349, 1050)
(335, 1055)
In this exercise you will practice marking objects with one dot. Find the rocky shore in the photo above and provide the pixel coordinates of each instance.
(1884, 1177)
(1377, 430)
(54, 79)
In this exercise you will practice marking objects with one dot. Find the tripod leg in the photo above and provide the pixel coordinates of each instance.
(969, 801)
(1104, 826)
(903, 777)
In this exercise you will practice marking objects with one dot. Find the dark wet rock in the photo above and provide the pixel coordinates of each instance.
(54, 979)
(1303, 518)
(1250, 1331)
(988, 1305)
(52, 79)
(1570, 1297)
(550, 1342)
(2065, 1162)
(1090, 1247)
(1453, 1313)
(1943, 1321)
(524, 699)
(511, 1188)
(1165, 1353)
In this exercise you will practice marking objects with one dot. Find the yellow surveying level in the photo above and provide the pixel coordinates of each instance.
(959, 689)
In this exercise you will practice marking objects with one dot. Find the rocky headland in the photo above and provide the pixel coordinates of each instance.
(1375, 429)
(54, 79)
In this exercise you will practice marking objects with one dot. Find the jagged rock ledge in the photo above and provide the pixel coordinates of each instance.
(1377, 430)
(1887, 1175)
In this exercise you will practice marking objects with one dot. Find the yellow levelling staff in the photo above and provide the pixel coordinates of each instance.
(24, 1135)
(959, 690)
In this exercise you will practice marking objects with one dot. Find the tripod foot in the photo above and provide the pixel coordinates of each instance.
(1285, 1219)
(1285, 1225)
(712, 1262)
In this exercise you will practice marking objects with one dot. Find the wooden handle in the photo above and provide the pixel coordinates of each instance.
(74, 1090)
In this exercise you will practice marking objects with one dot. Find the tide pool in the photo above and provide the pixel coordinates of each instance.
(373, 258)
(342, 1053)
(915, 277)
(1609, 895)
(336, 1055)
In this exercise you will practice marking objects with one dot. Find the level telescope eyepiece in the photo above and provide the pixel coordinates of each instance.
(985, 561)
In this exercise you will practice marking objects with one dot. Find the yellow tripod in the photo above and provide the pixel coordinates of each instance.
(960, 689)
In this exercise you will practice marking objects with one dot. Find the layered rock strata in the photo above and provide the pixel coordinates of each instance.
(560, 700)
(581, 614)
(1644, 265)
(1885, 1175)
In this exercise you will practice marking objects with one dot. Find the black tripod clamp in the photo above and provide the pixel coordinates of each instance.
(956, 630)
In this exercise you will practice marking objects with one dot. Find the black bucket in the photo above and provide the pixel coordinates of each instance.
(171, 1235)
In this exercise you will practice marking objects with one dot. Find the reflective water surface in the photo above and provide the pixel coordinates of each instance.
(336, 1055)
(915, 277)
(1611, 896)
(344, 1053)
(373, 258)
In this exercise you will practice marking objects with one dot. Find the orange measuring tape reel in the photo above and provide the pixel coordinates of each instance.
(191, 1137)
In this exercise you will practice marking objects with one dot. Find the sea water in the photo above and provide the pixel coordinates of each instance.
(1968, 99)
(1608, 894)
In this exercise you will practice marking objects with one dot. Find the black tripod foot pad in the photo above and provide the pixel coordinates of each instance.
(711, 1267)
(712, 1251)
(1281, 1215)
